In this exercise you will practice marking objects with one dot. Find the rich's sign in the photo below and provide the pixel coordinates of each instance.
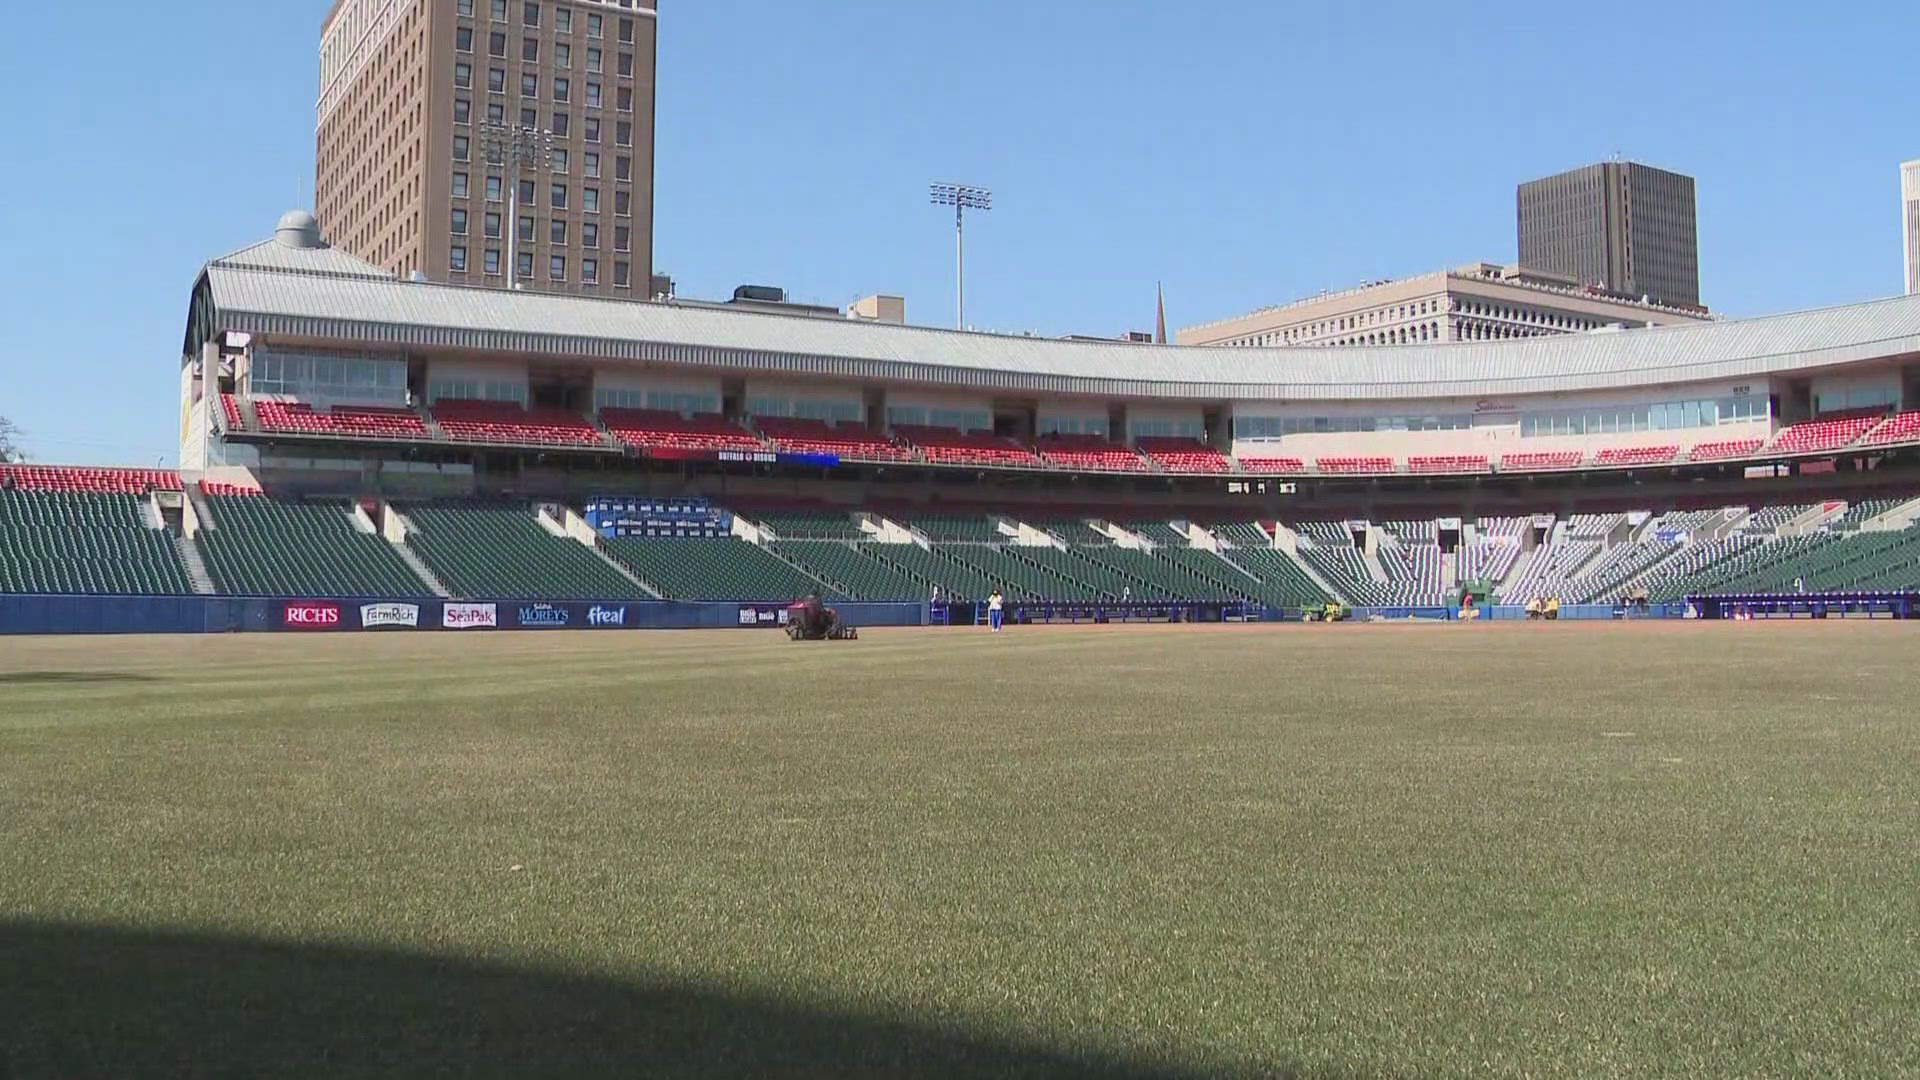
(312, 616)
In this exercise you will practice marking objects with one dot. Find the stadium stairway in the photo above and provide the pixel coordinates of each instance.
(195, 566)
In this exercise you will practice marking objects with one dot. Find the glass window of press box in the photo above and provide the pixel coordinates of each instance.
(806, 409)
(686, 404)
(1658, 416)
(1164, 429)
(920, 416)
(320, 377)
(477, 390)
(1273, 427)
(1073, 425)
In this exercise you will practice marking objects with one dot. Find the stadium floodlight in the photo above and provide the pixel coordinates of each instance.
(962, 197)
(516, 148)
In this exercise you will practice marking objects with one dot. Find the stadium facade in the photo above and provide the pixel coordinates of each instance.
(293, 321)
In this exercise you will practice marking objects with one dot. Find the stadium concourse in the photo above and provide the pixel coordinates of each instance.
(347, 434)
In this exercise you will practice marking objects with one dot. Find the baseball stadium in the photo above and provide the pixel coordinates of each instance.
(1530, 706)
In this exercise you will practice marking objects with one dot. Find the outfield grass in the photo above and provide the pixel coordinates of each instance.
(1565, 850)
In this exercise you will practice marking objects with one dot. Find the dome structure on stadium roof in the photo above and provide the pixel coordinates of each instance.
(298, 229)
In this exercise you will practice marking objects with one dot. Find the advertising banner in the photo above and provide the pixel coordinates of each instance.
(373, 616)
(469, 616)
(542, 617)
(607, 616)
(311, 615)
(763, 615)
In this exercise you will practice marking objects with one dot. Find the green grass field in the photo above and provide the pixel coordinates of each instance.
(1560, 850)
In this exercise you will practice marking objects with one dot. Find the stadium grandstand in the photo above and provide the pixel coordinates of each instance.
(348, 433)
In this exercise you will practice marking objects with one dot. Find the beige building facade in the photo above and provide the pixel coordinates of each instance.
(1477, 302)
(1910, 223)
(419, 100)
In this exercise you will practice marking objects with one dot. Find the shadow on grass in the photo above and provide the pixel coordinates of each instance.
(84, 1001)
(28, 678)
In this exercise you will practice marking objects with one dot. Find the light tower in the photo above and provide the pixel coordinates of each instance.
(517, 148)
(962, 198)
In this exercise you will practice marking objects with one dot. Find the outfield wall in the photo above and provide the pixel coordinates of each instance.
(37, 614)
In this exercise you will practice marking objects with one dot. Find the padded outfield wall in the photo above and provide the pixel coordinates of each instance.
(32, 614)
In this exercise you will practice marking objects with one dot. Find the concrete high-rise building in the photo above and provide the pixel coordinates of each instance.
(420, 104)
(1476, 302)
(1621, 226)
(1910, 222)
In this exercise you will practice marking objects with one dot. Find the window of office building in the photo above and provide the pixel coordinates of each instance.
(526, 192)
(593, 61)
(460, 147)
(623, 203)
(590, 165)
(526, 225)
(458, 226)
(626, 64)
(590, 129)
(530, 15)
(493, 261)
(457, 259)
(593, 25)
(590, 200)
(497, 44)
(464, 8)
(626, 99)
(623, 168)
(623, 134)
(490, 225)
(493, 189)
(593, 95)
(557, 197)
(462, 111)
(498, 10)
(557, 267)
(525, 267)
(530, 50)
(621, 273)
(463, 75)
(622, 238)
(562, 89)
(589, 234)
(626, 31)
(529, 85)
(557, 231)
(563, 56)
(497, 80)
(559, 161)
(589, 270)
(459, 185)
(463, 39)
(563, 20)
(562, 124)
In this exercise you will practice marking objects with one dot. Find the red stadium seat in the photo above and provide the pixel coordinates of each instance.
(654, 429)
(1354, 466)
(353, 421)
(1723, 450)
(1536, 460)
(1088, 452)
(1272, 464)
(1449, 463)
(97, 481)
(1828, 433)
(846, 440)
(1183, 455)
(1636, 455)
(1904, 427)
(507, 422)
(216, 487)
(231, 409)
(950, 446)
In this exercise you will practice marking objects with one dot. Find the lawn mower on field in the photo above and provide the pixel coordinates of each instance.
(811, 620)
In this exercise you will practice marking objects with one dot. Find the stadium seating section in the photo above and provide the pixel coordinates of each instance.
(230, 410)
(1179, 455)
(853, 570)
(949, 446)
(82, 478)
(1088, 453)
(1352, 466)
(76, 540)
(1448, 463)
(651, 429)
(1636, 455)
(500, 551)
(1272, 464)
(1904, 427)
(271, 547)
(506, 422)
(852, 441)
(1537, 460)
(1724, 449)
(361, 422)
(1824, 434)
(728, 569)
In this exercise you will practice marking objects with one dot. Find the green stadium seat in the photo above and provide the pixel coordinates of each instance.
(698, 569)
(261, 546)
(68, 541)
(499, 551)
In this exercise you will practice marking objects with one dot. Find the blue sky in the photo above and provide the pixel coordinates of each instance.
(1245, 152)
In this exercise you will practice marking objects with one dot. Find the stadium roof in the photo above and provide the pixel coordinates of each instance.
(284, 290)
